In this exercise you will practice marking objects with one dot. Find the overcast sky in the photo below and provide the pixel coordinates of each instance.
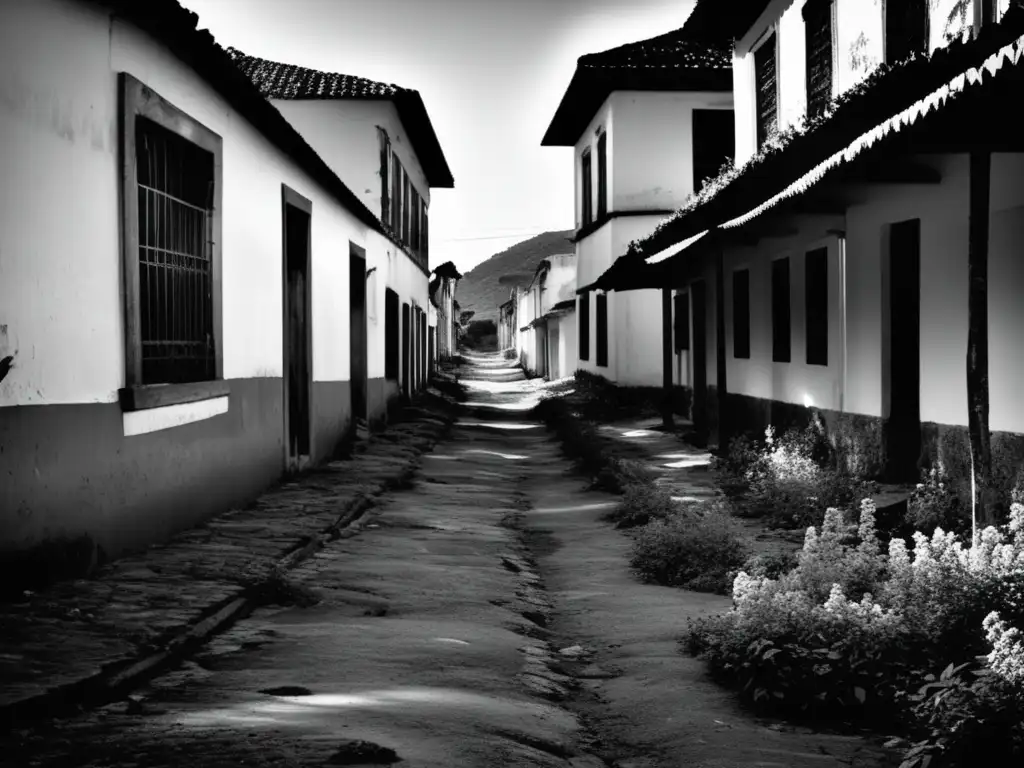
(491, 73)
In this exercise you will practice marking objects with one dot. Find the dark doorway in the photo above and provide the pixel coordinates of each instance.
(903, 427)
(406, 351)
(423, 349)
(297, 338)
(432, 350)
(357, 329)
(391, 343)
(698, 304)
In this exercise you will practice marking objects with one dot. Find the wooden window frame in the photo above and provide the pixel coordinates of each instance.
(812, 7)
(414, 215)
(770, 35)
(385, 176)
(586, 189)
(602, 175)
(782, 310)
(740, 317)
(138, 100)
(395, 225)
(424, 234)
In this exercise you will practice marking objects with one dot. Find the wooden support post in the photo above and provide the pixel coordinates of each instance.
(666, 357)
(977, 335)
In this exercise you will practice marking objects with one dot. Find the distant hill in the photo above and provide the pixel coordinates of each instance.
(479, 289)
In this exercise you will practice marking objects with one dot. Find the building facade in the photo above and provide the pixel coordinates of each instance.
(648, 123)
(184, 334)
(829, 272)
(548, 340)
(379, 140)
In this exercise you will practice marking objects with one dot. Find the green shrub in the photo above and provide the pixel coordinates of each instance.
(853, 632)
(690, 548)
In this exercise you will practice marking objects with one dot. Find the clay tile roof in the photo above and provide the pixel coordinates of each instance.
(277, 80)
(674, 50)
(674, 61)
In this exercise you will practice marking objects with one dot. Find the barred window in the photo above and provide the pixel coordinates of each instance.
(171, 249)
(175, 188)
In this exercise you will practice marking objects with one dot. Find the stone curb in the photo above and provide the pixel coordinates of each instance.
(114, 681)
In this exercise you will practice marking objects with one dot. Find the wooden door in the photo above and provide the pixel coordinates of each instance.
(297, 336)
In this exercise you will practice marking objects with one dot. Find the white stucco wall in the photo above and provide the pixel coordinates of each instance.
(560, 281)
(943, 211)
(634, 317)
(795, 381)
(650, 148)
(344, 134)
(60, 281)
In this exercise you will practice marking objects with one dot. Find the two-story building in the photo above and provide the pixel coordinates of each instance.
(648, 123)
(862, 258)
(183, 305)
(548, 339)
(379, 140)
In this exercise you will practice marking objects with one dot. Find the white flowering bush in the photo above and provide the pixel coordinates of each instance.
(789, 478)
(856, 624)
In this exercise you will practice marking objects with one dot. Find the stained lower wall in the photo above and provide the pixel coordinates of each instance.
(69, 470)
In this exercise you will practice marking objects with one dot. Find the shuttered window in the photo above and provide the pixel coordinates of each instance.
(765, 81)
(681, 321)
(385, 182)
(818, 29)
(714, 143)
(584, 326)
(406, 208)
(816, 304)
(741, 313)
(586, 190)
(602, 330)
(396, 195)
(414, 215)
(906, 28)
(424, 239)
(602, 175)
(780, 311)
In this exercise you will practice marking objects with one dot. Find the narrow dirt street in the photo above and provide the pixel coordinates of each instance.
(484, 616)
